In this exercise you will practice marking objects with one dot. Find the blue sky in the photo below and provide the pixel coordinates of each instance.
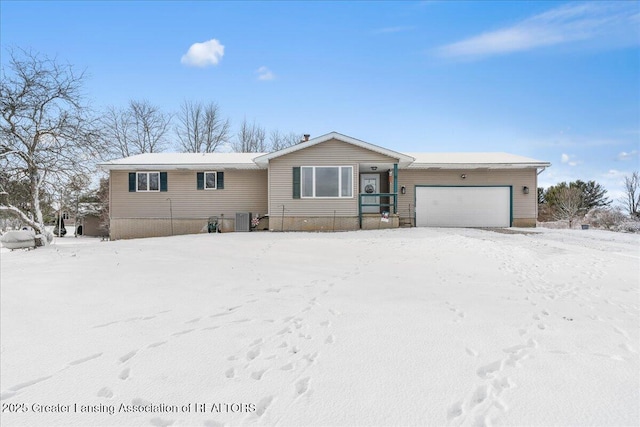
(556, 81)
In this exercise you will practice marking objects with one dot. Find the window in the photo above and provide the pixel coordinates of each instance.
(210, 180)
(148, 181)
(326, 181)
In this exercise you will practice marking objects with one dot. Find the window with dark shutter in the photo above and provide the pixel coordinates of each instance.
(296, 183)
(132, 182)
(163, 181)
(220, 179)
(200, 180)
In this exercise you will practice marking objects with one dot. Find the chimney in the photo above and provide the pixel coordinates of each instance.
(306, 136)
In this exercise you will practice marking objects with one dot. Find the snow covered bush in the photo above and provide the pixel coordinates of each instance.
(628, 226)
(606, 218)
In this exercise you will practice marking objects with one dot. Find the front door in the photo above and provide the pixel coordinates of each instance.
(370, 184)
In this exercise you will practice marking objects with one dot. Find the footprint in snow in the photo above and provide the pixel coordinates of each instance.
(471, 352)
(480, 395)
(326, 323)
(186, 331)
(197, 319)
(28, 383)
(302, 386)
(263, 405)
(105, 392)
(330, 339)
(257, 375)
(85, 359)
(487, 371)
(230, 373)
(455, 411)
(128, 356)
(124, 374)
(287, 367)
(252, 354)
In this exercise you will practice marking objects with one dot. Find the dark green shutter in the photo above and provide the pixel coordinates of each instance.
(163, 181)
(220, 180)
(132, 182)
(200, 176)
(296, 182)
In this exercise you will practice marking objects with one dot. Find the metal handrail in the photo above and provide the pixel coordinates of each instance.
(360, 204)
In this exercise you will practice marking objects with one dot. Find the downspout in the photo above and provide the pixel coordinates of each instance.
(395, 188)
(536, 199)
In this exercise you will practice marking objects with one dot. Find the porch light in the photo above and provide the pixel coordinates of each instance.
(374, 168)
(463, 176)
(525, 190)
(403, 189)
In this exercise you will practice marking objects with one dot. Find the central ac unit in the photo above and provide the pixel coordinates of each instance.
(243, 221)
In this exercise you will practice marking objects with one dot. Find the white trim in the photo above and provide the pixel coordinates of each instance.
(148, 182)
(313, 178)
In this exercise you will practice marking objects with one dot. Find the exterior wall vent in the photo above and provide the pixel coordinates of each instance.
(243, 221)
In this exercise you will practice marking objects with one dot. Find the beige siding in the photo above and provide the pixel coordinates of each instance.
(244, 191)
(524, 205)
(330, 153)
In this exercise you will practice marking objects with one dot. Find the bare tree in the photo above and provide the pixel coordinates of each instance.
(139, 128)
(278, 141)
(201, 128)
(47, 136)
(631, 199)
(568, 204)
(251, 138)
(117, 132)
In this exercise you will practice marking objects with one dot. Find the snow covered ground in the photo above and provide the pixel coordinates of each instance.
(388, 327)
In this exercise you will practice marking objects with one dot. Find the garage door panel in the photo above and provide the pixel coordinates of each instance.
(463, 206)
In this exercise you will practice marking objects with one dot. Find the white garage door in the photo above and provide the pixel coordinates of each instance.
(463, 206)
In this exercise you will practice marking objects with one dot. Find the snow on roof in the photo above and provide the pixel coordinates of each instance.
(473, 160)
(198, 161)
(175, 161)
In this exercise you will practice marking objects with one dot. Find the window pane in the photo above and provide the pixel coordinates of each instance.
(327, 182)
(154, 181)
(209, 180)
(347, 181)
(142, 182)
(306, 181)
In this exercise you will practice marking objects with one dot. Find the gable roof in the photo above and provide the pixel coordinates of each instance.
(403, 159)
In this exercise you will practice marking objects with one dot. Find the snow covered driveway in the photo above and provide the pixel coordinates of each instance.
(389, 327)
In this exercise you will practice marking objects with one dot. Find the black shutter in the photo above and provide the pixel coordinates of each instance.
(132, 182)
(163, 181)
(200, 176)
(296, 182)
(220, 180)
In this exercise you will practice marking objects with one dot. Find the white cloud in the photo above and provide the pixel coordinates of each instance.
(633, 154)
(568, 159)
(203, 54)
(265, 74)
(610, 23)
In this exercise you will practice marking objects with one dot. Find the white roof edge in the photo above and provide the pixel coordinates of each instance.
(173, 166)
(402, 158)
(510, 165)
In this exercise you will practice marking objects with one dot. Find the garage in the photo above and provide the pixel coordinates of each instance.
(463, 206)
